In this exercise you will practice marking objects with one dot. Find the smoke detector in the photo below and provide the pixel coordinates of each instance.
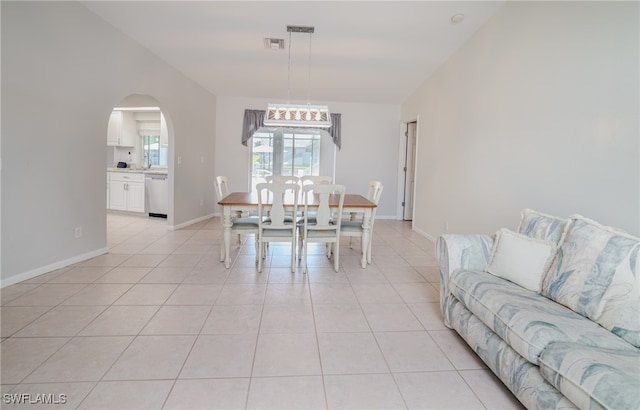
(274, 43)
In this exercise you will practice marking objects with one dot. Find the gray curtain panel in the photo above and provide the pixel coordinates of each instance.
(254, 120)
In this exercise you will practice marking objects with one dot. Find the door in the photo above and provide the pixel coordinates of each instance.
(409, 171)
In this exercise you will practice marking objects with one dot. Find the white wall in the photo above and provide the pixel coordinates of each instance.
(369, 146)
(538, 109)
(63, 70)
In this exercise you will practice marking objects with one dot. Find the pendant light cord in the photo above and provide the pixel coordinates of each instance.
(309, 74)
(289, 72)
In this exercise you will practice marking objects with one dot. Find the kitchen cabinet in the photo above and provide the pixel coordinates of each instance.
(126, 191)
(121, 130)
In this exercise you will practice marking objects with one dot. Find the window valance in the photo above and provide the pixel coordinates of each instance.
(254, 120)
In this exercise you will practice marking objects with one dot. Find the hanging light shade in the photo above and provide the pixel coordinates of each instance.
(302, 115)
(291, 115)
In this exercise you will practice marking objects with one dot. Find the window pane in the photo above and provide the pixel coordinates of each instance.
(281, 151)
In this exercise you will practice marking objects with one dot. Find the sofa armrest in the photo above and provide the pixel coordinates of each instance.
(469, 251)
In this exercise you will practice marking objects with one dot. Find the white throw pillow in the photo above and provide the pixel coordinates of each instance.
(520, 259)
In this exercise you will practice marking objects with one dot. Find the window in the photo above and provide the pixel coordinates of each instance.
(153, 151)
(285, 151)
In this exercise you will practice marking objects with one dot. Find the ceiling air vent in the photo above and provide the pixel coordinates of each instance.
(274, 43)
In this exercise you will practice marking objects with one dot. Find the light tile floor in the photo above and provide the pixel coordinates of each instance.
(158, 322)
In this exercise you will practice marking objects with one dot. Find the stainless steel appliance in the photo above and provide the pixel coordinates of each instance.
(157, 191)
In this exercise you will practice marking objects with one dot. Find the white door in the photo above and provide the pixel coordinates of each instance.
(409, 171)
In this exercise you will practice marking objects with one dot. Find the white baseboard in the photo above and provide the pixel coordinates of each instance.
(423, 233)
(51, 267)
(191, 222)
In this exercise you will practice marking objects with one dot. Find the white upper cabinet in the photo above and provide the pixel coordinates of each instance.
(121, 131)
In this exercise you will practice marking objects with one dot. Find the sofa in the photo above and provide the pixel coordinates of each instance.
(552, 308)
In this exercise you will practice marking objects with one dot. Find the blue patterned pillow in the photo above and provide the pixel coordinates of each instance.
(541, 226)
(596, 273)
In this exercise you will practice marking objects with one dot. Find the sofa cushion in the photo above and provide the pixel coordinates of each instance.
(541, 226)
(593, 377)
(527, 321)
(519, 375)
(520, 259)
(596, 273)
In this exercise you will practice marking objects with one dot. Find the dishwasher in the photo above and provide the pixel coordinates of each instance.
(157, 190)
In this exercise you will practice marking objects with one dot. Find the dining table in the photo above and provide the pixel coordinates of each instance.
(247, 202)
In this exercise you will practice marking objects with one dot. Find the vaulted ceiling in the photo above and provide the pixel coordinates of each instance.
(361, 51)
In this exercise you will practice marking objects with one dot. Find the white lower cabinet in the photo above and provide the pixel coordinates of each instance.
(126, 191)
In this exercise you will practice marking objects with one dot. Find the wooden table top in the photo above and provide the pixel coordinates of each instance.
(249, 199)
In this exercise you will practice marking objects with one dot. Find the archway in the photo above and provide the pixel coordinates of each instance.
(138, 158)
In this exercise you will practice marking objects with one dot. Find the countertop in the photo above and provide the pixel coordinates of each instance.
(157, 171)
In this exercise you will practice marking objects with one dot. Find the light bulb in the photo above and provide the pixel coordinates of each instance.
(308, 116)
(287, 115)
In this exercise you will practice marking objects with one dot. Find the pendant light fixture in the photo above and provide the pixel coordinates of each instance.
(298, 115)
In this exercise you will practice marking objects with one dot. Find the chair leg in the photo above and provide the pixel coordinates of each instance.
(336, 258)
(293, 254)
(300, 234)
(260, 247)
(305, 243)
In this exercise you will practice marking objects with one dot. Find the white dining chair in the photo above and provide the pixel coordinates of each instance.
(246, 226)
(325, 225)
(273, 225)
(283, 179)
(353, 227)
(316, 179)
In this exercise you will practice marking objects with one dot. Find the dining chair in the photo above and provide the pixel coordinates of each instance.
(239, 225)
(273, 225)
(283, 179)
(325, 225)
(353, 227)
(316, 179)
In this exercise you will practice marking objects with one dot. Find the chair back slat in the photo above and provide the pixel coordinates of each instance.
(222, 187)
(375, 191)
(325, 217)
(273, 194)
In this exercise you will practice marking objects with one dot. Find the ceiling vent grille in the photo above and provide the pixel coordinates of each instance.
(274, 43)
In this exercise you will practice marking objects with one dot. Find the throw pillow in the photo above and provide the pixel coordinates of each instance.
(541, 226)
(597, 274)
(520, 259)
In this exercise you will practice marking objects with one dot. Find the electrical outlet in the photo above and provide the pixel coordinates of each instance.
(202, 202)
(179, 160)
(202, 159)
(78, 232)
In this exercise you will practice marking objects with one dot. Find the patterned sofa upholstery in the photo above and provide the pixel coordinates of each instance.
(573, 343)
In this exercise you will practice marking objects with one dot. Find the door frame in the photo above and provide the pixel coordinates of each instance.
(402, 160)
